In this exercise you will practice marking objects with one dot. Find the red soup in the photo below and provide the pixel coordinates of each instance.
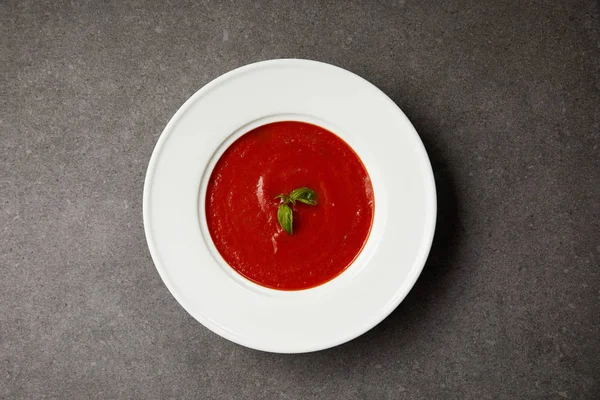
(320, 235)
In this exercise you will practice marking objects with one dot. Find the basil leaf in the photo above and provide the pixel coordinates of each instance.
(310, 202)
(285, 215)
(286, 218)
(303, 195)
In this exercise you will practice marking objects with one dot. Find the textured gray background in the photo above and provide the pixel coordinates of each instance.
(505, 96)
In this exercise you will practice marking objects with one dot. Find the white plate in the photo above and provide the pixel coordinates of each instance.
(266, 319)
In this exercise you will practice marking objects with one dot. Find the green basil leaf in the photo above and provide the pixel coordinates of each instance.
(303, 195)
(285, 214)
(286, 218)
(307, 201)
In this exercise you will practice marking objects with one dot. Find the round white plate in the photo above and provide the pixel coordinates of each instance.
(175, 224)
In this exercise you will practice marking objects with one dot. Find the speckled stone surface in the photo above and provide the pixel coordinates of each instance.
(506, 98)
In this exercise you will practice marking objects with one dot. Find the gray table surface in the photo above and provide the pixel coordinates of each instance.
(505, 96)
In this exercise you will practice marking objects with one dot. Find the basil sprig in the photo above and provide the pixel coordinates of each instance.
(285, 215)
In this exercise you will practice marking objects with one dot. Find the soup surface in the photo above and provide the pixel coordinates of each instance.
(242, 208)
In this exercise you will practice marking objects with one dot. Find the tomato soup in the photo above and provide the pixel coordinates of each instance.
(242, 207)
